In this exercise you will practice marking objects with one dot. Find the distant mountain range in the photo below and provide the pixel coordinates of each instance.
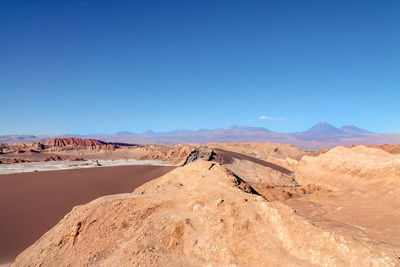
(321, 135)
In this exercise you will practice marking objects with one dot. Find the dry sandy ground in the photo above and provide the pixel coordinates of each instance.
(364, 197)
(357, 188)
(67, 165)
(353, 192)
(195, 215)
(31, 203)
(174, 154)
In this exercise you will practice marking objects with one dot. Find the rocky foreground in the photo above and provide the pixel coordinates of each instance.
(195, 215)
(241, 205)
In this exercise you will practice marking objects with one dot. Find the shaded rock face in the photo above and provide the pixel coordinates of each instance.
(195, 215)
(272, 181)
(262, 150)
(3, 147)
(58, 158)
(203, 153)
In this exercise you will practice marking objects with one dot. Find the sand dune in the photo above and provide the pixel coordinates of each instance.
(364, 200)
(358, 168)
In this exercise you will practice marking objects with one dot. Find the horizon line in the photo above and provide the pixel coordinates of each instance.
(198, 129)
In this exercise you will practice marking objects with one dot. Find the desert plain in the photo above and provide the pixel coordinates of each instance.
(100, 203)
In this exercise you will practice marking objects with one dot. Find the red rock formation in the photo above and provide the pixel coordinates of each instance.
(74, 142)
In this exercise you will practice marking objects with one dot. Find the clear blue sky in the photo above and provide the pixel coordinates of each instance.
(106, 66)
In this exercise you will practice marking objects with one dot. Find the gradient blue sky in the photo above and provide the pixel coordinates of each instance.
(106, 66)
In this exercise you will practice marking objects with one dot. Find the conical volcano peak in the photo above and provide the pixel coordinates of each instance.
(323, 128)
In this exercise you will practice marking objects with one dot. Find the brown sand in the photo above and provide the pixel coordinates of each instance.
(31, 203)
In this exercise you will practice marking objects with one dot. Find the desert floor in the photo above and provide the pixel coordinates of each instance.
(31, 203)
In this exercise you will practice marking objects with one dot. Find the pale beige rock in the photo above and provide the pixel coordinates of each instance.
(197, 215)
(258, 175)
(365, 193)
(287, 163)
(262, 150)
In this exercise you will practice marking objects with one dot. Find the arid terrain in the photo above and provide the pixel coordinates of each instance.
(221, 204)
(199, 133)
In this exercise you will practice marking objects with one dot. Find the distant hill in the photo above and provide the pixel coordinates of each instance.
(320, 132)
(71, 141)
(321, 135)
(353, 129)
(12, 139)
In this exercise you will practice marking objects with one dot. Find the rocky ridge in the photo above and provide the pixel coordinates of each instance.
(195, 215)
(393, 149)
(77, 142)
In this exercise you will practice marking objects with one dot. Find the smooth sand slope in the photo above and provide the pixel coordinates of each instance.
(196, 215)
(31, 203)
(364, 197)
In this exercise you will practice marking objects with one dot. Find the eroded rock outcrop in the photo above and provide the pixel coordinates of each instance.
(195, 215)
(262, 150)
(198, 153)
(269, 179)
(175, 154)
(71, 141)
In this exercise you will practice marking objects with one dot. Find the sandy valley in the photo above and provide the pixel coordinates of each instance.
(219, 204)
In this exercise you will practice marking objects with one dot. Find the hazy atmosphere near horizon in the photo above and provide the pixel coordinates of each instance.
(85, 67)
